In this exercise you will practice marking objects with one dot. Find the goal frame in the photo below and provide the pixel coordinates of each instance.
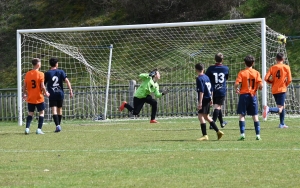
(141, 26)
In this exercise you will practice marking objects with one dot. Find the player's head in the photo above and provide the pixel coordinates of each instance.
(36, 62)
(156, 74)
(53, 62)
(199, 68)
(219, 58)
(249, 60)
(280, 57)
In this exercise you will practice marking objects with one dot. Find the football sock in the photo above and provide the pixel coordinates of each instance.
(281, 117)
(203, 128)
(41, 121)
(242, 127)
(220, 117)
(153, 110)
(214, 126)
(216, 114)
(28, 121)
(59, 119)
(55, 118)
(274, 109)
(257, 127)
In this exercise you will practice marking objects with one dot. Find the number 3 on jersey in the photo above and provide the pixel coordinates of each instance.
(219, 78)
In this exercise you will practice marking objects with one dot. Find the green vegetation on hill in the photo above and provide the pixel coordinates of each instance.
(282, 16)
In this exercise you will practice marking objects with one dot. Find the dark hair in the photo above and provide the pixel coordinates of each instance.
(53, 61)
(35, 61)
(249, 60)
(219, 57)
(199, 67)
(280, 56)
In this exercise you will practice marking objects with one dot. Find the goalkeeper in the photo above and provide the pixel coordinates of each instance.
(142, 95)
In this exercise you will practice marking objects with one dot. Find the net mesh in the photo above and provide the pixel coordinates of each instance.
(84, 56)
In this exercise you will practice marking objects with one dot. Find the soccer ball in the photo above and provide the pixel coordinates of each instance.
(281, 39)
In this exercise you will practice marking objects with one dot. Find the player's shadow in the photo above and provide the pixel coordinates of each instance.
(192, 129)
(177, 140)
(11, 133)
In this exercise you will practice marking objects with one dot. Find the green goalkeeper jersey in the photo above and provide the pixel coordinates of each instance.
(147, 87)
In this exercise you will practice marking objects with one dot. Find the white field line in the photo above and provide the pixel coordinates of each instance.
(144, 150)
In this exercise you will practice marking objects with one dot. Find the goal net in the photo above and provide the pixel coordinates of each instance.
(101, 83)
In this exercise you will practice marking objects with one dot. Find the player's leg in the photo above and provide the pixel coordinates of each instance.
(31, 108)
(202, 126)
(53, 106)
(153, 104)
(242, 111)
(253, 111)
(41, 109)
(59, 115)
(281, 110)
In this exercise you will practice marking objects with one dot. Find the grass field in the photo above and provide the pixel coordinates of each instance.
(138, 154)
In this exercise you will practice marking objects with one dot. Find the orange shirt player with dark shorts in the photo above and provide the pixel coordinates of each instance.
(33, 90)
(279, 76)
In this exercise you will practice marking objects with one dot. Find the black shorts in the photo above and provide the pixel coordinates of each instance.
(205, 107)
(219, 100)
(40, 107)
(56, 103)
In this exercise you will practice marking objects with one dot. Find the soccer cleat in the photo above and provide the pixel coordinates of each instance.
(39, 131)
(220, 134)
(283, 126)
(153, 121)
(58, 129)
(258, 138)
(27, 131)
(242, 138)
(121, 108)
(224, 124)
(203, 138)
(265, 112)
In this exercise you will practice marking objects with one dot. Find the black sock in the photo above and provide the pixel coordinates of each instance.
(55, 118)
(129, 108)
(153, 110)
(41, 121)
(203, 128)
(214, 126)
(59, 119)
(28, 121)
(216, 114)
(220, 117)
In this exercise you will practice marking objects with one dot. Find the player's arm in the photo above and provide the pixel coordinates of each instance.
(144, 76)
(238, 82)
(267, 77)
(24, 90)
(259, 82)
(43, 87)
(227, 75)
(69, 86)
(200, 100)
(289, 76)
(200, 90)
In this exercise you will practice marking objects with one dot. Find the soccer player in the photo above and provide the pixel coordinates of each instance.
(246, 84)
(279, 76)
(204, 91)
(54, 79)
(218, 75)
(142, 95)
(33, 90)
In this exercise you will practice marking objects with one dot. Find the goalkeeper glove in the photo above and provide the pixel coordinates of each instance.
(153, 73)
(165, 92)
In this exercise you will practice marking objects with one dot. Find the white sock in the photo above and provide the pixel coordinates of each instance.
(243, 134)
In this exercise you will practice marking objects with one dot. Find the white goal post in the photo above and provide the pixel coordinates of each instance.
(85, 49)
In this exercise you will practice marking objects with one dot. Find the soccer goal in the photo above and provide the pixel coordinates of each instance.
(103, 63)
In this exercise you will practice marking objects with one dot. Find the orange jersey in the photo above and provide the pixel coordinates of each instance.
(250, 80)
(281, 76)
(33, 81)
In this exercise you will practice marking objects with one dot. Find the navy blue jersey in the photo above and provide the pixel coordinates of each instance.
(218, 75)
(54, 80)
(204, 86)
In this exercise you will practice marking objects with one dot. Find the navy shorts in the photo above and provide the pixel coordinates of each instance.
(39, 107)
(56, 103)
(247, 105)
(219, 100)
(279, 98)
(205, 106)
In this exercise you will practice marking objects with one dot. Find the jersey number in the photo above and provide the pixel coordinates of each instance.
(278, 74)
(219, 78)
(253, 83)
(55, 80)
(33, 84)
(208, 85)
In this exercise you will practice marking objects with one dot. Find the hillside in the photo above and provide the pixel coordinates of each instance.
(282, 16)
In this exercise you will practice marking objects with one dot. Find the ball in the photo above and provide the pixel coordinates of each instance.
(281, 39)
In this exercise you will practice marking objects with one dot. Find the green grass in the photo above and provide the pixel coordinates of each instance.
(138, 154)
